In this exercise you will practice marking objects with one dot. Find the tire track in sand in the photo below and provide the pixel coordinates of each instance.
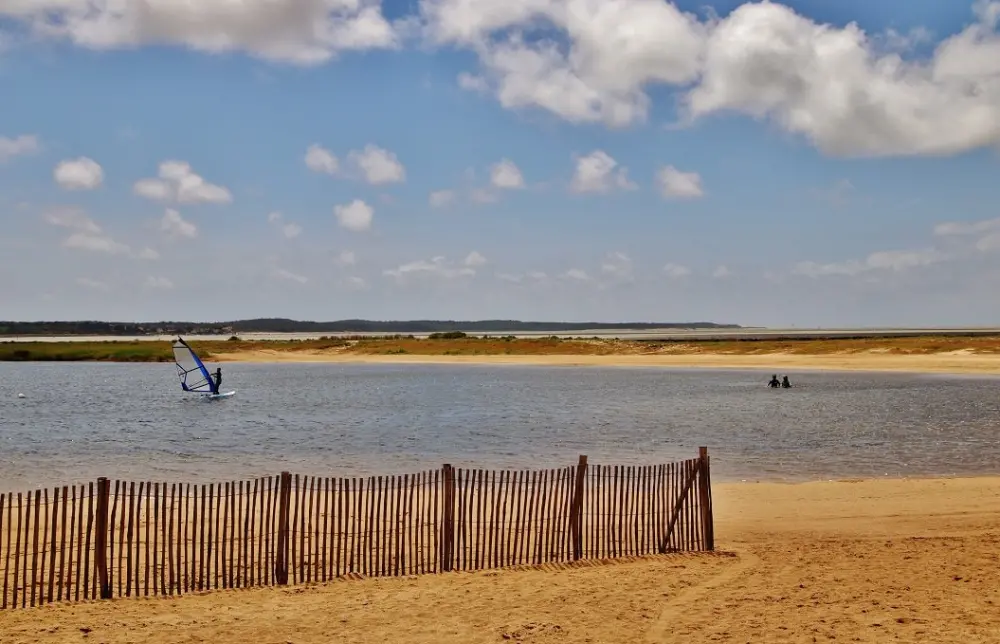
(681, 603)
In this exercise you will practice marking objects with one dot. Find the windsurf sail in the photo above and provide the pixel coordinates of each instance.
(192, 373)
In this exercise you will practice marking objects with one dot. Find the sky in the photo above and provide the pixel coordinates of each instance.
(800, 164)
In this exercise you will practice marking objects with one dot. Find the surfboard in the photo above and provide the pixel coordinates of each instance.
(193, 375)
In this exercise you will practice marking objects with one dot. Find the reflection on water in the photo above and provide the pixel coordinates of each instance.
(80, 421)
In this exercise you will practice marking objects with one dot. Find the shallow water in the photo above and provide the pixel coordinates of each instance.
(131, 421)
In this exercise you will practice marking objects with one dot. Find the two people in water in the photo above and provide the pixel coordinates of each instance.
(784, 384)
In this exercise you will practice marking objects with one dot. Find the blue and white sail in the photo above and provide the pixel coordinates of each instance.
(193, 374)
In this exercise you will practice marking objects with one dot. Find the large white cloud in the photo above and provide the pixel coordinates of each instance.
(849, 93)
(293, 31)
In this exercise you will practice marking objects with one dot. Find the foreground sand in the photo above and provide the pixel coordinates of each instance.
(868, 561)
(959, 362)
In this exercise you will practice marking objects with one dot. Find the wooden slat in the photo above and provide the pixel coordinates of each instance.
(340, 484)
(17, 547)
(34, 550)
(6, 551)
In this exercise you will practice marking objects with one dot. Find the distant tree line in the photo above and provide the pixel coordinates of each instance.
(282, 325)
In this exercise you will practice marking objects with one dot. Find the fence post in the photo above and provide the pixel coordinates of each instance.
(705, 500)
(576, 508)
(101, 537)
(281, 557)
(447, 549)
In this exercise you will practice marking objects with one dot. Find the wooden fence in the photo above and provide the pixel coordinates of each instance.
(111, 539)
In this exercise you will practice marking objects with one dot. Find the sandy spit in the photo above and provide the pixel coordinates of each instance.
(854, 561)
(952, 362)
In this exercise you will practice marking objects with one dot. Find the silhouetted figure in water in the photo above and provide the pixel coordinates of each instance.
(774, 381)
(784, 383)
(218, 379)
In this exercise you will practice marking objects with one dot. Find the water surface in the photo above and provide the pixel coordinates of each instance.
(131, 421)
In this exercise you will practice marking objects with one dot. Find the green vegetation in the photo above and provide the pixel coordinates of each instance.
(281, 325)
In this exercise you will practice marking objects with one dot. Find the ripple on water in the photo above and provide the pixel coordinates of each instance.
(81, 421)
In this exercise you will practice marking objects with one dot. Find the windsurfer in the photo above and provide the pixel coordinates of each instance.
(218, 380)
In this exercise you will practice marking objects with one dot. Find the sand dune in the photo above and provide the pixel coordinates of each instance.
(949, 362)
(868, 561)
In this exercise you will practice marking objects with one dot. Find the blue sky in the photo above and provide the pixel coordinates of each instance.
(810, 163)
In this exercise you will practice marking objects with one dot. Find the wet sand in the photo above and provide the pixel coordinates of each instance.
(958, 362)
(862, 561)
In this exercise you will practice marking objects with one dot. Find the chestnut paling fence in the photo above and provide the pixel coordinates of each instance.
(109, 539)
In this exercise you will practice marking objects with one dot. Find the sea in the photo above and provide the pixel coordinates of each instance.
(79, 421)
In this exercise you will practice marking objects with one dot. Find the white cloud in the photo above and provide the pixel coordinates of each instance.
(577, 274)
(679, 185)
(473, 83)
(830, 84)
(378, 165)
(319, 159)
(483, 195)
(346, 258)
(176, 226)
(614, 48)
(89, 236)
(506, 176)
(302, 32)
(888, 260)
(71, 217)
(437, 267)
(441, 198)
(158, 283)
(849, 93)
(290, 230)
(354, 283)
(618, 265)
(474, 259)
(289, 275)
(178, 183)
(373, 164)
(596, 172)
(356, 216)
(676, 271)
(96, 243)
(21, 145)
(96, 285)
(962, 228)
(721, 272)
(82, 173)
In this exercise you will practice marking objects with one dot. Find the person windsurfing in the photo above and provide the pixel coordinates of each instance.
(218, 380)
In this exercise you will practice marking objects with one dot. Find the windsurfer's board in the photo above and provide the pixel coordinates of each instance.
(226, 394)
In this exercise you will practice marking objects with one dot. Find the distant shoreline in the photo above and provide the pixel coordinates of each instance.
(975, 355)
(776, 362)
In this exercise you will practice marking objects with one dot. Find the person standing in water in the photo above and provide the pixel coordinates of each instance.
(784, 382)
(218, 380)
(774, 381)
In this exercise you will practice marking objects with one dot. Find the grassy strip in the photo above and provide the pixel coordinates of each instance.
(448, 344)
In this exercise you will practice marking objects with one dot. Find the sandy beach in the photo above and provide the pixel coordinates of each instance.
(861, 561)
(956, 362)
